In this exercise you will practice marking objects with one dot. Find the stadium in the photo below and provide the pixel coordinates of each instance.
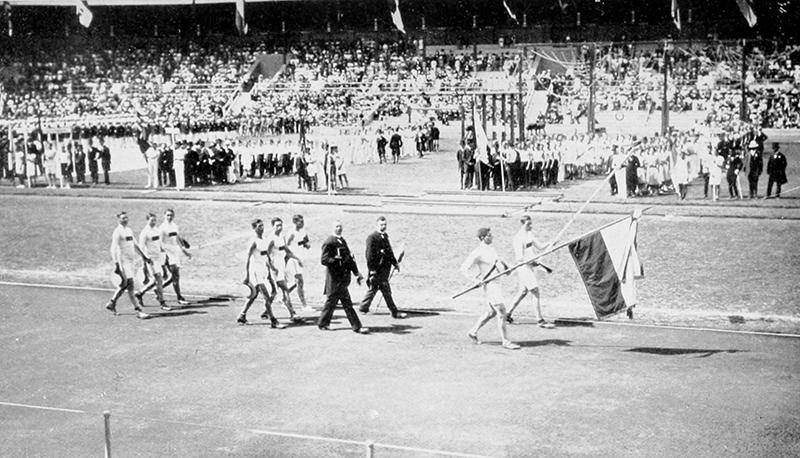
(557, 227)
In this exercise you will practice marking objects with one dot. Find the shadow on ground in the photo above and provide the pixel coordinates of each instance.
(701, 353)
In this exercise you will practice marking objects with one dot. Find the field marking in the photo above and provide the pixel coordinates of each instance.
(252, 431)
(450, 313)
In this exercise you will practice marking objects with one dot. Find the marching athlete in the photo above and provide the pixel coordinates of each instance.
(257, 277)
(298, 243)
(150, 243)
(524, 244)
(485, 259)
(123, 252)
(278, 252)
(174, 246)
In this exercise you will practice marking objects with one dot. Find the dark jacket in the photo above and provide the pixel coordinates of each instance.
(380, 257)
(776, 167)
(340, 264)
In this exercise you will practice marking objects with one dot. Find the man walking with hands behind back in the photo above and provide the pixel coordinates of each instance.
(338, 260)
(380, 262)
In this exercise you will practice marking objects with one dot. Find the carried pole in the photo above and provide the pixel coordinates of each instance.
(107, 426)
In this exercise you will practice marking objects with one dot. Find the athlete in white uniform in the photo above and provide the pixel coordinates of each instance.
(150, 242)
(278, 253)
(525, 245)
(123, 252)
(257, 276)
(484, 257)
(174, 247)
(298, 243)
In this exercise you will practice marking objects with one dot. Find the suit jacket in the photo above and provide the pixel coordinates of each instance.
(340, 264)
(380, 257)
(776, 167)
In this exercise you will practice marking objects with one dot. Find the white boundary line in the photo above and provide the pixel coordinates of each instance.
(254, 431)
(455, 313)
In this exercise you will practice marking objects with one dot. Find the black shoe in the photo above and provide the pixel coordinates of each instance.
(165, 307)
(324, 328)
(629, 312)
(265, 316)
(509, 320)
(112, 307)
(242, 320)
(274, 324)
(400, 315)
(363, 310)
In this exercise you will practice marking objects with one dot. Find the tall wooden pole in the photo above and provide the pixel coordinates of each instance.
(743, 103)
(664, 99)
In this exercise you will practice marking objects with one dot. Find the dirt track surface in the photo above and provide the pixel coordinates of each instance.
(601, 390)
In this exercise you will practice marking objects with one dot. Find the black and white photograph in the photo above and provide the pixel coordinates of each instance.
(399, 228)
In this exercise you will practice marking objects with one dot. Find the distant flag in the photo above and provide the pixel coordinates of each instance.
(481, 140)
(241, 25)
(510, 13)
(84, 15)
(746, 6)
(676, 14)
(394, 10)
(563, 5)
(608, 263)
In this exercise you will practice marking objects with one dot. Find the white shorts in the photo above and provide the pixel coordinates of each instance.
(174, 256)
(157, 266)
(527, 278)
(259, 274)
(293, 268)
(128, 268)
(280, 266)
(494, 295)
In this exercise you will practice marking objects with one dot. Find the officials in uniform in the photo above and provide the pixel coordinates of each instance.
(340, 265)
(380, 262)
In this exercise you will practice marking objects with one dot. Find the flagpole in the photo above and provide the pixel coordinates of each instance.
(538, 256)
(585, 204)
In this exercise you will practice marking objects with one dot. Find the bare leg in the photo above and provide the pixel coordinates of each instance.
(517, 300)
(488, 315)
(301, 293)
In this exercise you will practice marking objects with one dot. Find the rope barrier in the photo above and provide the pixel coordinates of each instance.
(368, 445)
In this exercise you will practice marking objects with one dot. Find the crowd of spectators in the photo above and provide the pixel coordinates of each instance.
(706, 79)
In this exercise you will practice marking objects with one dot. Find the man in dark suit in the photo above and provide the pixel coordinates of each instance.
(380, 261)
(776, 169)
(395, 143)
(338, 260)
(93, 157)
(755, 165)
(381, 147)
(105, 159)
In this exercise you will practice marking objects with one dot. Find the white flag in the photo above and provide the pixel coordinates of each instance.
(84, 15)
(395, 12)
(513, 16)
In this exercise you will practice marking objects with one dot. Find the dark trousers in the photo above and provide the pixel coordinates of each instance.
(733, 188)
(343, 296)
(706, 177)
(379, 282)
(769, 187)
(93, 172)
(105, 174)
(753, 182)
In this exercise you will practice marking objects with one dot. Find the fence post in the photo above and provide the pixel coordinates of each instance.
(370, 449)
(107, 422)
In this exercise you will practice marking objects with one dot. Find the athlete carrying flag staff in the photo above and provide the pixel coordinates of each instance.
(484, 258)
